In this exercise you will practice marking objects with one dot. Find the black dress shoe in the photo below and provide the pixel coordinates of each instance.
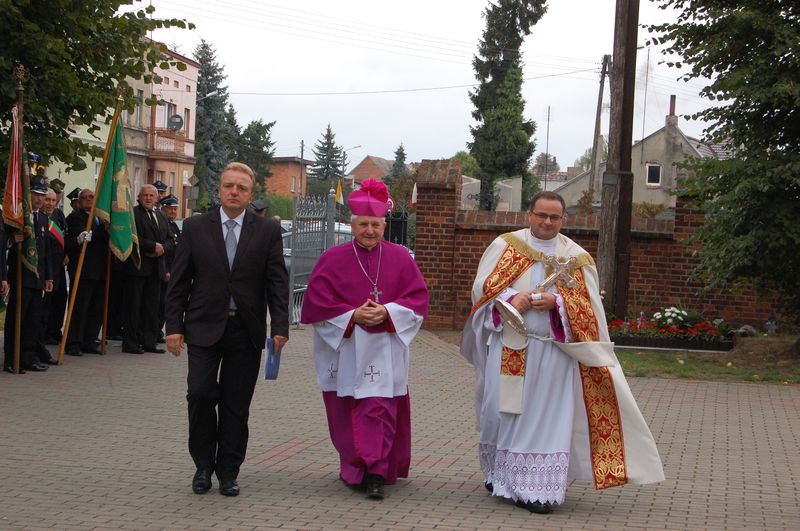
(374, 486)
(154, 349)
(489, 487)
(132, 349)
(535, 506)
(229, 487)
(51, 361)
(91, 350)
(11, 370)
(37, 367)
(73, 352)
(201, 483)
(114, 337)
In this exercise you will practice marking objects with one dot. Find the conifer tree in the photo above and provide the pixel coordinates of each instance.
(399, 169)
(327, 167)
(216, 130)
(502, 142)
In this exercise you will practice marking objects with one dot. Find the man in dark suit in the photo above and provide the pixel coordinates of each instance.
(227, 271)
(55, 302)
(142, 285)
(87, 312)
(169, 207)
(33, 287)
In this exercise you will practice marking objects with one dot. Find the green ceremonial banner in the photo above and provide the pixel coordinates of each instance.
(113, 202)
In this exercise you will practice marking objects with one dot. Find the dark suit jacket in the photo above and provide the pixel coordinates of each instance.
(94, 262)
(56, 251)
(169, 254)
(201, 282)
(149, 234)
(45, 266)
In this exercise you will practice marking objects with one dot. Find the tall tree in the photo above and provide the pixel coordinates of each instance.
(502, 137)
(399, 169)
(76, 54)
(469, 166)
(585, 160)
(256, 149)
(750, 230)
(327, 165)
(546, 163)
(216, 130)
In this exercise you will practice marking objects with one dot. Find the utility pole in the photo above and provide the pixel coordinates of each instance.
(547, 148)
(594, 167)
(613, 249)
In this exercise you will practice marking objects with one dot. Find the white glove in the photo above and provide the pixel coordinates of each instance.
(85, 235)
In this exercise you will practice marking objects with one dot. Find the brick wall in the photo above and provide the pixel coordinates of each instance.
(280, 182)
(450, 243)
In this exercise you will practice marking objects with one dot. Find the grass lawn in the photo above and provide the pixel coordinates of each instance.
(704, 366)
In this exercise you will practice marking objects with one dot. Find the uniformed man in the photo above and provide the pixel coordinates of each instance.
(259, 207)
(169, 207)
(33, 287)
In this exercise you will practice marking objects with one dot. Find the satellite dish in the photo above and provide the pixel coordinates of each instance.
(175, 122)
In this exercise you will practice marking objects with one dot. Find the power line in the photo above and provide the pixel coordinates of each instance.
(405, 40)
(394, 91)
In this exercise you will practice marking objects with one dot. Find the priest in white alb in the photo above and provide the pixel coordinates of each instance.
(366, 299)
(551, 398)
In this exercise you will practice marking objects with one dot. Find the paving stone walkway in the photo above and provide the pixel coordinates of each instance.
(100, 443)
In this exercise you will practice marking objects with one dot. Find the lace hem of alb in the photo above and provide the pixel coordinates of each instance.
(525, 476)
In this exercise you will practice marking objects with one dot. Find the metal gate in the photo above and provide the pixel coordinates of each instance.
(312, 232)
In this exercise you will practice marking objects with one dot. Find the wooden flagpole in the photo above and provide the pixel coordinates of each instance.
(89, 223)
(104, 333)
(19, 73)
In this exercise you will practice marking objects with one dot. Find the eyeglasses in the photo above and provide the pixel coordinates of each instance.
(541, 216)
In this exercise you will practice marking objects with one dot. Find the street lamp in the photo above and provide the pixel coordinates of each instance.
(344, 164)
(212, 93)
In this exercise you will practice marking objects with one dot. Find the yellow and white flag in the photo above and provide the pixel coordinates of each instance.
(339, 194)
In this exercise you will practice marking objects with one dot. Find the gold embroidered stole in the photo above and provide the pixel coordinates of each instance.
(606, 443)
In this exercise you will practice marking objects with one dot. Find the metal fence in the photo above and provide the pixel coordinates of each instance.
(312, 233)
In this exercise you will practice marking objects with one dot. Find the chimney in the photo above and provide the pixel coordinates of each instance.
(671, 118)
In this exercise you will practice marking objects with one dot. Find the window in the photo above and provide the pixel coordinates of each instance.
(293, 183)
(171, 181)
(136, 173)
(96, 169)
(160, 176)
(165, 80)
(653, 174)
(169, 110)
(176, 84)
(188, 88)
(186, 122)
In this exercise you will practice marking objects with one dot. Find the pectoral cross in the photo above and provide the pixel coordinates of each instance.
(562, 272)
(376, 293)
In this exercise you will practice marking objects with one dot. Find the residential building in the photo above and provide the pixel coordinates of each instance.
(289, 176)
(654, 163)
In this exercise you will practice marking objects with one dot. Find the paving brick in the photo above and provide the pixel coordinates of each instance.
(100, 443)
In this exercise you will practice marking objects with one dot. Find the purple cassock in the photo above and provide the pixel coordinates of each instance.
(371, 433)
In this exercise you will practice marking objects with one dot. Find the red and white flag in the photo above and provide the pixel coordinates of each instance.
(13, 211)
(414, 196)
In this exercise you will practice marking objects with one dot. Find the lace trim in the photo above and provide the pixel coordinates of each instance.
(525, 476)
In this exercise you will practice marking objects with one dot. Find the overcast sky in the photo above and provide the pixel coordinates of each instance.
(382, 73)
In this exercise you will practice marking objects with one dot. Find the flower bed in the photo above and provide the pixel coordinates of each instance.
(672, 343)
(671, 328)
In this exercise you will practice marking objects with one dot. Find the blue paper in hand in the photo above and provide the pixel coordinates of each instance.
(273, 360)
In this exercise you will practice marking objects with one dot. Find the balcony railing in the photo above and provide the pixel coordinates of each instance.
(169, 141)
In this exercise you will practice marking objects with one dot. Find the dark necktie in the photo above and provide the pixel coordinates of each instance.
(230, 250)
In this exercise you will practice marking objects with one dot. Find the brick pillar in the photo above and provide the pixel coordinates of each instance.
(438, 200)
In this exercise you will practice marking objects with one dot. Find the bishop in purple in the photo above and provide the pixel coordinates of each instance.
(366, 300)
